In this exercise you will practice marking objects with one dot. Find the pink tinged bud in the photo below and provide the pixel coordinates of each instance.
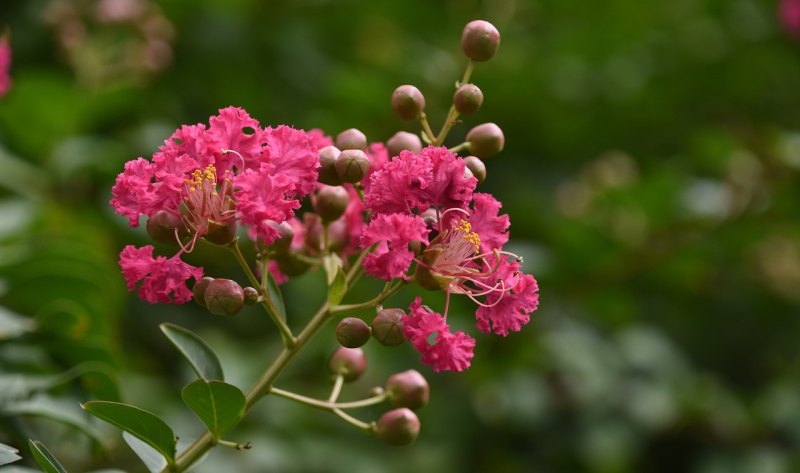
(352, 165)
(480, 40)
(199, 290)
(398, 427)
(351, 139)
(407, 102)
(387, 327)
(221, 234)
(331, 202)
(162, 227)
(486, 140)
(476, 167)
(352, 332)
(285, 237)
(250, 295)
(348, 362)
(408, 389)
(403, 141)
(468, 99)
(430, 218)
(327, 166)
(224, 297)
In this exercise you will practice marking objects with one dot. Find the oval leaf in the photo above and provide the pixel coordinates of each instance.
(45, 459)
(337, 288)
(8, 454)
(153, 460)
(219, 406)
(143, 425)
(196, 351)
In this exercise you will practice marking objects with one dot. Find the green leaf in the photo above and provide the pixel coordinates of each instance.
(337, 289)
(219, 406)
(152, 460)
(45, 459)
(332, 264)
(276, 295)
(141, 424)
(62, 412)
(8, 454)
(196, 351)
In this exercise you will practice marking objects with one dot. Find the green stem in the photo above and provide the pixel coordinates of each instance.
(337, 388)
(452, 115)
(353, 421)
(234, 445)
(327, 405)
(267, 303)
(457, 148)
(340, 310)
(426, 127)
(262, 385)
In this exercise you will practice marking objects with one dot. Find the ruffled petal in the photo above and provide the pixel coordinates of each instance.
(393, 233)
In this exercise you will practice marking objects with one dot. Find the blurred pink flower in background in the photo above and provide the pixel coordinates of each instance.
(5, 65)
(789, 13)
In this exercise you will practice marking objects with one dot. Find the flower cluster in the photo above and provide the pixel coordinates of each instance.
(203, 182)
(428, 198)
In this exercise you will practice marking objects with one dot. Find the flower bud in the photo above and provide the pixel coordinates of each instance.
(331, 202)
(430, 217)
(348, 362)
(403, 140)
(476, 166)
(224, 297)
(480, 40)
(407, 102)
(352, 165)
(199, 290)
(486, 140)
(387, 327)
(351, 139)
(220, 233)
(408, 389)
(468, 99)
(327, 166)
(352, 332)
(250, 295)
(285, 237)
(161, 227)
(398, 427)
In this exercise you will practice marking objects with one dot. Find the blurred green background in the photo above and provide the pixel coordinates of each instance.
(650, 172)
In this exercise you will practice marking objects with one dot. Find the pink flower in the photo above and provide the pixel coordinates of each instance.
(789, 12)
(432, 178)
(5, 65)
(393, 233)
(233, 132)
(490, 227)
(430, 335)
(133, 191)
(319, 139)
(378, 157)
(293, 154)
(509, 309)
(260, 198)
(163, 280)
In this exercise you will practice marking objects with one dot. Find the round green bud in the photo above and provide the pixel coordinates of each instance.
(351, 139)
(162, 225)
(291, 265)
(402, 141)
(348, 362)
(330, 202)
(327, 166)
(486, 140)
(352, 165)
(407, 102)
(250, 295)
(199, 290)
(224, 297)
(352, 332)
(408, 389)
(476, 167)
(468, 99)
(387, 327)
(480, 40)
(398, 427)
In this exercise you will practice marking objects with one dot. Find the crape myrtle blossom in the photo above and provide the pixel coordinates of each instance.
(211, 178)
(465, 255)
